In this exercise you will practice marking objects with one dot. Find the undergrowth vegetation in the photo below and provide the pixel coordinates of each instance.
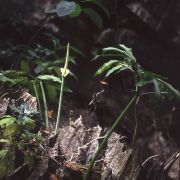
(43, 70)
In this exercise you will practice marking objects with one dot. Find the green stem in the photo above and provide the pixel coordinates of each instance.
(104, 141)
(60, 105)
(45, 105)
(38, 101)
(64, 74)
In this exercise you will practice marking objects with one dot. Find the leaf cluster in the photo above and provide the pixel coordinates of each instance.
(122, 59)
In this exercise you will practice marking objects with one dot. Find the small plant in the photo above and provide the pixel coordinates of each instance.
(16, 135)
(16, 132)
(19, 77)
(64, 72)
(123, 61)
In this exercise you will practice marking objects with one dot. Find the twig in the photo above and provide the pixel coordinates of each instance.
(149, 158)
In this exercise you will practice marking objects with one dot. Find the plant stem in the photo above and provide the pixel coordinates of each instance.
(45, 105)
(104, 141)
(62, 89)
(60, 105)
(38, 101)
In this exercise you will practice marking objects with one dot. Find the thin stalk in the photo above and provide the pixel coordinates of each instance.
(60, 105)
(38, 101)
(64, 74)
(104, 141)
(45, 105)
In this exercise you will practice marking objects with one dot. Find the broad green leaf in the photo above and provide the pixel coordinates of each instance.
(76, 12)
(7, 120)
(65, 8)
(94, 16)
(49, 78)
(11, 130)
(106, 66)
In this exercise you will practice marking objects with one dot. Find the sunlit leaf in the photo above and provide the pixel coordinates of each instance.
(128, 51)
(7, 120)
(106, 66)
(49, 78)
(120, 67)
(5, 141)
(112, 49)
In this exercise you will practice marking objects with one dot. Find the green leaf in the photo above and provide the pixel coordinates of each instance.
(53, 63)
(7, 120)
(118, 68)
(11, 130)
(5, 79)
(128, 52)
(6, 141)
(113, 49)
(29, 123)
(3, 153)
(65, 8)
(174, 91)
(49, 78)
(94, 16)
(106, 66)
(76, 12)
